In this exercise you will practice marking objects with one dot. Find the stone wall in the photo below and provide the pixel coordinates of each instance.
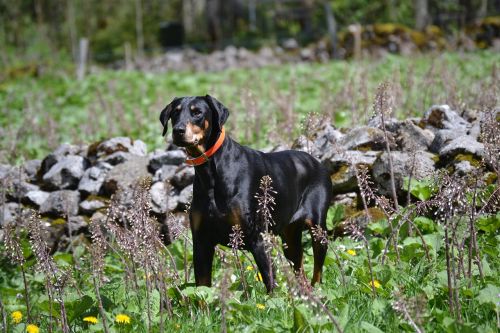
(74, 183)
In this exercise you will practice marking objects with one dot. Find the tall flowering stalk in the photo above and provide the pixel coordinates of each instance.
(54, 277)
(16, 256)
(97, 253)
(141, 242)
(236, 242)
(266, 203)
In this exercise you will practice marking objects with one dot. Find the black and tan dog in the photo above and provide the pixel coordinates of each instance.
(227, 177)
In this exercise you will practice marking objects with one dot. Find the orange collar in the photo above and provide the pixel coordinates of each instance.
(203, 158)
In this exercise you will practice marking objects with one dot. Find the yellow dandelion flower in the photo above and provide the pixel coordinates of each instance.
(177, 326)
(90, 319)
(260, 306)
(32, 329)
(122, 319)
(249, 268)
(16, 316)
(376, 284)
(258, 277)
(351, 252)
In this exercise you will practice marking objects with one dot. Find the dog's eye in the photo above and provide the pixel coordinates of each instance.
(196, 112)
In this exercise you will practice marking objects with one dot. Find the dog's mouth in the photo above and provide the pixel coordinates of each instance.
(182, 142)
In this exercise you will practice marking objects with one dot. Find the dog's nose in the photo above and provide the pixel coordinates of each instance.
(179, 131)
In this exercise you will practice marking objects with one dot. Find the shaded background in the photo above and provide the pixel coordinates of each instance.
(34, 30)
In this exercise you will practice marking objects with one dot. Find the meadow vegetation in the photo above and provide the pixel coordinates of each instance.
(432, 265)
(267, 104)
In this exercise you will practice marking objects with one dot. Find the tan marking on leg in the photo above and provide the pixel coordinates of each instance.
(316, 276)
(195, 220)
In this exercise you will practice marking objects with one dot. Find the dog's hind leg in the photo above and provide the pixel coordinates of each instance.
(320, 246)
(264, 263)
(292, 247)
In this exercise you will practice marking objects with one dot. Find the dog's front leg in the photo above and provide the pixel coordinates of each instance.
(203, 256)
(264, 263)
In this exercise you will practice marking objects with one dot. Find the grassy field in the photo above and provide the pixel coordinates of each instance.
(439, 275)
(130, 282)
(267, 104)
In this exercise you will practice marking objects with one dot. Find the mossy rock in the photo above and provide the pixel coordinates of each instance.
(419, 38)
(95, 197)
(491, 21)
(472, 159)
(490, 178)
(389, 28)
(433, 30)
(340, 174)
(58, 222)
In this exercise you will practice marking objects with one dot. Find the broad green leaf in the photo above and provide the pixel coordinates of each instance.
(370, 328)
(490, 295)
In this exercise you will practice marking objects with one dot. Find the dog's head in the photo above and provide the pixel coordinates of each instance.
(194, 119)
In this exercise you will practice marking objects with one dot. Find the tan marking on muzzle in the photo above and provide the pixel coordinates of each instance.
(194, 133)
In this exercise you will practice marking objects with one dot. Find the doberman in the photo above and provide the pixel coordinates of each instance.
(227, 178)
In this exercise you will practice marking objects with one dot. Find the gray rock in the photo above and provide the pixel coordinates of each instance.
(364, 138)
(475, 129)
(5, 171)
(183, 177)
(8, 213)
(31, 169)
(421, 166)
(36, 198)
(163, 198)
(93, 178)
(123, 144)
(54, 157)
(166, 172)
(411, 137)
(19, 189)
(171, 157)
(443, 117)
(88, 207)
(11, 174)
(324, 138)
(341, 170)
(116, 158)
(444, 137)
(98, 217)
(462, 145)
(66, 173)
(463, 167)
(76, 223)
(335, 160)
(185, 197)
(125, 175)
(61, 203)
(391, 124)
(303, 144)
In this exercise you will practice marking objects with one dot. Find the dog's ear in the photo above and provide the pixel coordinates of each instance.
(165, 115)
(220, 111)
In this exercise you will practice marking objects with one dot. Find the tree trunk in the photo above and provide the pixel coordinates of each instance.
(421, 14)
(213, 20)
(139, 28)
(72, 28)
(483, 10)
(332, 28)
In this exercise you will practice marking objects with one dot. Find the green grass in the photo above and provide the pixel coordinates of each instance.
(37, 114)
(420, 282)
